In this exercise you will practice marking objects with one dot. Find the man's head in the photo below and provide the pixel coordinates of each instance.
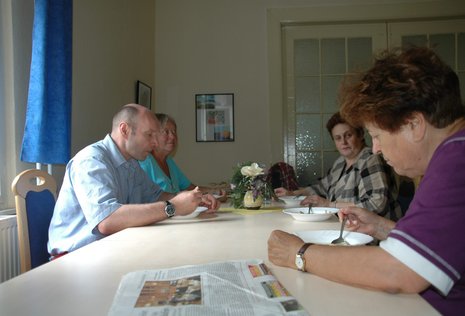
(134, 130)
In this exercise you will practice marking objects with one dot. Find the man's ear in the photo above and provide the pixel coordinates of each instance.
(124, 129)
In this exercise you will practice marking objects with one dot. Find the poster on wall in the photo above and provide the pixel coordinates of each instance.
(214, 117)
(144, 94)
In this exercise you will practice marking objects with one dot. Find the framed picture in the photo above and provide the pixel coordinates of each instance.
(144, 94)
(214, 117)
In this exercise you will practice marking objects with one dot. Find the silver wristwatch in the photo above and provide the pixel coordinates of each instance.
(169, 209)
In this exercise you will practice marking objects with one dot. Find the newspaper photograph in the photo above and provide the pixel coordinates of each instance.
(243, 287)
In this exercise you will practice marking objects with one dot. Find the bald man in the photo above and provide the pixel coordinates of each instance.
(104, 189)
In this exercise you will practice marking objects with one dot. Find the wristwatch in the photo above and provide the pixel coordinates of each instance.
(299, 257)
(169, 209)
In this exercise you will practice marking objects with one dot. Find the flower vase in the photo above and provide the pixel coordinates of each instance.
(250, 203)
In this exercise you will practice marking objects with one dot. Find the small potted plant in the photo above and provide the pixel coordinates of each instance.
(248, 186)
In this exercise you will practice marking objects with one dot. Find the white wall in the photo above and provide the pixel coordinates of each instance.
(216, 46)
(113, 47)
(213, 47)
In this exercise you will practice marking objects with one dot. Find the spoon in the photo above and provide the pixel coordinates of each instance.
(340, 240)
(309, 210)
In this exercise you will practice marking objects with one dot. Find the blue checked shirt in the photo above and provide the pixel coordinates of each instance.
(98, 180)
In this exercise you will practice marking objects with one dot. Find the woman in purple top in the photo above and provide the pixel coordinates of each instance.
(410, 104)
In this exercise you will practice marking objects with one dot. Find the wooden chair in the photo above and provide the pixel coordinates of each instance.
(35, 196)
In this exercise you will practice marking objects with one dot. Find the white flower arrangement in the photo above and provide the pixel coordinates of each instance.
(247, 177)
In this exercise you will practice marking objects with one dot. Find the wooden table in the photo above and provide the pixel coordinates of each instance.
(84, 282)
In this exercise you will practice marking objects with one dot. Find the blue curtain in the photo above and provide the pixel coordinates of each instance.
(47, 132)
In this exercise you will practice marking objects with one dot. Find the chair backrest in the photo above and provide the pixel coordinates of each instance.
(35, 196)
(407, 188)
(282, 174)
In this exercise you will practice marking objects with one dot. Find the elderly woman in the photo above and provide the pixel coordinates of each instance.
(410, 104)
(160, 166)
(357, 177)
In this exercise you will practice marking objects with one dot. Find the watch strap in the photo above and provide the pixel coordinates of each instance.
(303, 248)
(300, 254)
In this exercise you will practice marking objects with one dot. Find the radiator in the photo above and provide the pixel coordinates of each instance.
(9, 253)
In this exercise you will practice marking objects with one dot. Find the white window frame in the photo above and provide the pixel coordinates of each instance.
(6, 104)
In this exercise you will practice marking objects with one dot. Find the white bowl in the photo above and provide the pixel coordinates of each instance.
(292, 201)
(318, 213)
(325, 237)
(194, 214)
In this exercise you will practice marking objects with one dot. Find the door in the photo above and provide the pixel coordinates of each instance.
(317, 58)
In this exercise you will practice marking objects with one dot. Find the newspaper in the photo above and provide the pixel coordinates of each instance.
(243, 287)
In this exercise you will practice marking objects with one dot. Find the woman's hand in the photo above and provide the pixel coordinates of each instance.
(316, 200)
(223, 196)
(367, 222)
(282, 248)
(211, 202)
(282, 192)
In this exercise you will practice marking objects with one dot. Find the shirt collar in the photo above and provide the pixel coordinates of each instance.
(116, 155)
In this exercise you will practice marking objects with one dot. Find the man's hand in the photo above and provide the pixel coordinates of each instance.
(187, 201)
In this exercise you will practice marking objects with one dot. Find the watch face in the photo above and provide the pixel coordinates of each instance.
(299, 262)
(169, 209)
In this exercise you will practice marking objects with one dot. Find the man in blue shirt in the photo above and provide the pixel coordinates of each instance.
(104, 189)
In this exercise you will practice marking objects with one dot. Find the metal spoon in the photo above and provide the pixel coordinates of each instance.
(340, 240)
(309, 210)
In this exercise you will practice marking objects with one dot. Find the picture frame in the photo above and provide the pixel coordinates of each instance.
(214, 115)
(144, 94)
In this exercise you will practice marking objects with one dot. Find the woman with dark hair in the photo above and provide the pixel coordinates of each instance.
(357, 177)
(410, 104)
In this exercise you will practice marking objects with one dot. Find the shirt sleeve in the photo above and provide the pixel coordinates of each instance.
(95, 188)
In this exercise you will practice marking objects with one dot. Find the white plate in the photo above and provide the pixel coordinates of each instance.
(325, 237)
(318, 213)
(194, 214)
(292, 201)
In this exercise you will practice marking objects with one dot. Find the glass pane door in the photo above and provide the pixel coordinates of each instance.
(317, 58)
